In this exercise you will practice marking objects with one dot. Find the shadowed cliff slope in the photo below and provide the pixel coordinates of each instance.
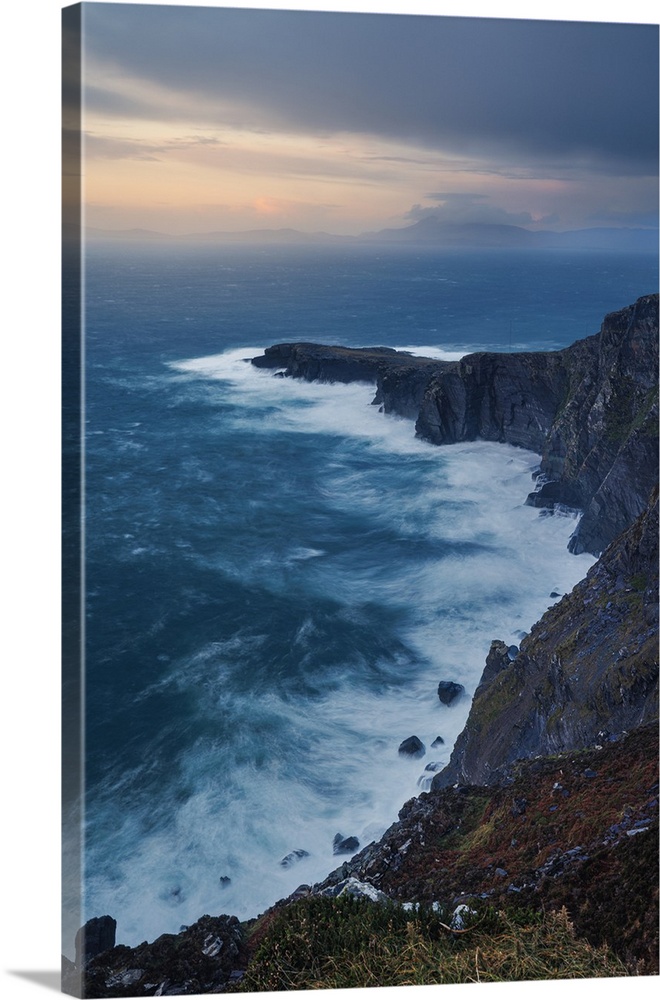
(588, 668)
(590, 409)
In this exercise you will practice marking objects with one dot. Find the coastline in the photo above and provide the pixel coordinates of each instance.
(436, 386)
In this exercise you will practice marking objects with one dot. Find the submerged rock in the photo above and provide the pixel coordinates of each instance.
(293, 857)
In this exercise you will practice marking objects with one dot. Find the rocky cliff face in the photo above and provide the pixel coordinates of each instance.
(602, 449)
(496, 397)
(588, 668)
(590, 410)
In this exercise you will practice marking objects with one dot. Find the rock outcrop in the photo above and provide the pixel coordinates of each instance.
(207, 957)
(320, 363)
(589, 667)
(577, 830)
(590, 410)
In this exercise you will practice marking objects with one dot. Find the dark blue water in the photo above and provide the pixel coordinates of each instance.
(277, 574)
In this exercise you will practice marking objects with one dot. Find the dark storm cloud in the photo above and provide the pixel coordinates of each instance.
(540, 90)
(457, 207)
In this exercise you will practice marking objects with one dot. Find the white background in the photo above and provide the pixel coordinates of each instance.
(29, 495)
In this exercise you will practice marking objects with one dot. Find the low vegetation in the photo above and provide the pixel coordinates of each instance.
(322, 942)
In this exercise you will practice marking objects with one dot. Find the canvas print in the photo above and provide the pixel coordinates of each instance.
(360, 444)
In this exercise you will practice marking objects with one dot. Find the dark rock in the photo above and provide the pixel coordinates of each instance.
(496, 661)
(96, 936)
(200, 959)
(293, 857)
(344, 845)
(412, 747)
(590, 409)
(438, 741)
(554, 593)
(512, 652)
(225, 881)
(449, 691)
(301, 891)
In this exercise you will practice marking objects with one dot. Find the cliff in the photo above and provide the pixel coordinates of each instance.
(590, 410)
(588, 668)
(401, 378)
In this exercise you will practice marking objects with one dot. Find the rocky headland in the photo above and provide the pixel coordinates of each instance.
(549, 803)
(590, 410)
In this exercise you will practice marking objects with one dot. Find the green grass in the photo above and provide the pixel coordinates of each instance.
(342, 943)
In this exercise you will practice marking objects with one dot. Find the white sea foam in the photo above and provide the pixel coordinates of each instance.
(437, 353)
(297, 770)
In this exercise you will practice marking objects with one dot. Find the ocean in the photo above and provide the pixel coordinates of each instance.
(277, 574)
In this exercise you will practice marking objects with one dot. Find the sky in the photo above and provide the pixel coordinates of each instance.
(199, 119)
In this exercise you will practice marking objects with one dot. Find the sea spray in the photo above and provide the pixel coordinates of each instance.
(341, 568)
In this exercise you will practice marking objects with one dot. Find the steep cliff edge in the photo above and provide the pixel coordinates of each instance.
(321, 363)
(588, 668)
(590, 410)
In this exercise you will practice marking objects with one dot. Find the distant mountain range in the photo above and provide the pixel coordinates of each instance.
(428, 231)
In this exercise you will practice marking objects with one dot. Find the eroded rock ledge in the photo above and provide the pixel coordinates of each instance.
(590, 410)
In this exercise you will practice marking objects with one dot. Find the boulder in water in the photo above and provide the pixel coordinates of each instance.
(448, 691)
(344, 845)
(412, 747)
